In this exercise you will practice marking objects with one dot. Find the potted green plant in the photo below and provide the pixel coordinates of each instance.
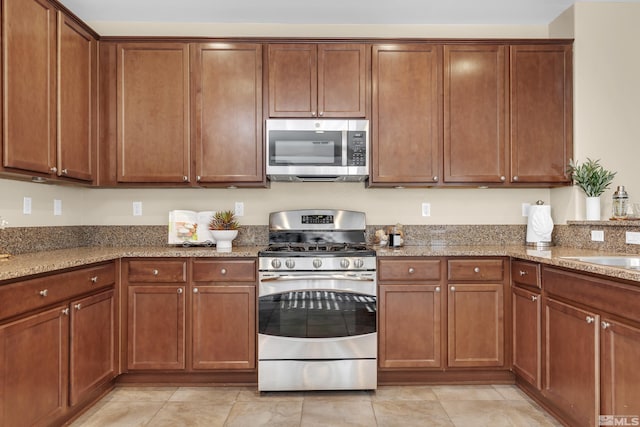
(224, 228)
(593, 179)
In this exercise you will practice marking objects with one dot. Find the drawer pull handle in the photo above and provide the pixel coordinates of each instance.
(44, 292)
(223, 271)
(78, 306)
(453, 289)
(437, 288)
(411, 270)
(179, 291)
(195, 290)
(590, 319)
(65, 311)
(476, 270)
(155, 272)
(534, 298)
(94, 279)
(606, 325)
(523, 273)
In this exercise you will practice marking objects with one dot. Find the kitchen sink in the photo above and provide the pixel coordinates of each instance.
(628, 262)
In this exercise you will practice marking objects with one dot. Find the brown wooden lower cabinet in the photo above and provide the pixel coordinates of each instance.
(527, 335)
(34, 355)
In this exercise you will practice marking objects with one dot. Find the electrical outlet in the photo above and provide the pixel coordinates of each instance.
(525, 209)
(633, 237)
(239, 209)
(26, 205)
(597, 235)
(57, 207)
(426, 209)
(137, 208)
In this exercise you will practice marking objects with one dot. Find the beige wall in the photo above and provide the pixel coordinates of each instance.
(606, 126)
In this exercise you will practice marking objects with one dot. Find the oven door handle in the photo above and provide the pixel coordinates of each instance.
(318, 277)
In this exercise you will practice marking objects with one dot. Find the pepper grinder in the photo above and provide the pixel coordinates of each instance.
(620, 203)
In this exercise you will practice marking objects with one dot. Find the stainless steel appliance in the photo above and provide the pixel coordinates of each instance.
(317, 303)
(317, 150)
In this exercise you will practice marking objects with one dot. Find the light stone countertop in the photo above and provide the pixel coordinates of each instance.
(20, 266)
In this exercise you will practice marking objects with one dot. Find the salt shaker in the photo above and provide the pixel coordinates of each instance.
(620, 203)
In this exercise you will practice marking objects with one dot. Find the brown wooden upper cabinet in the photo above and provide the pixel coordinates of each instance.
(49, 74)
(475, 113)
(541, 113)
(153, 113)
(317, 80)
(227, 113)
(406, 114)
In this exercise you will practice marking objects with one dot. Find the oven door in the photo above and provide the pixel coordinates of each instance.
(317, 316)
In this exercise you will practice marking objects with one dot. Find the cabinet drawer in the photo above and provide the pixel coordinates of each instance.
(241, 270)
(28, 295)
(409, 269)
(525, 273)
(476, 269)
(157, 271)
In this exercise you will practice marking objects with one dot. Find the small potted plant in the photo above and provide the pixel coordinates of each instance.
(593, 179)
(224, 228)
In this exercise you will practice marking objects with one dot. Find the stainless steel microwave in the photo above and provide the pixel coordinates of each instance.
(317, 150)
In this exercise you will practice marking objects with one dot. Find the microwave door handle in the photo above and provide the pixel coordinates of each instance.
(345, 148)
(317, 277)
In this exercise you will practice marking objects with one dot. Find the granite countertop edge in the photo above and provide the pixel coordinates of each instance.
(22, 266)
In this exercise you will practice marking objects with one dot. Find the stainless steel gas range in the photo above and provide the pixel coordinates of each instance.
(317, 303)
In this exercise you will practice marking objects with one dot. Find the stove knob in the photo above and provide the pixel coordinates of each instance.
(317, 263)
(344, 263)
(275, 263)
(290, 263)
(358, 263)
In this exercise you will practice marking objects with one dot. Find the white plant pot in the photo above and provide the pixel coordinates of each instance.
(224, 239)
(593, 208)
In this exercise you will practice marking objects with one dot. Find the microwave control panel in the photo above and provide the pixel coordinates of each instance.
(356, 148)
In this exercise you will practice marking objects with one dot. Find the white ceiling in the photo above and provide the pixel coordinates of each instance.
(428, 12)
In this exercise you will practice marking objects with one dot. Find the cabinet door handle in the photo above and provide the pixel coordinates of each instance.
(155, 272)
(77, 306)
(590, 319)
(435, 178)
(195, 290)
(534, 298)
(94, 279)
(503, 178)
(411, 270)
(53, 169)
(179, 291)
(313, 114)
(44, 292)
(605, 325)
(64, 171)
(198, 178)
(523, 273)
(476, 270)
(437, 288)
(453, 289)
(515, 178)
(65, 311)
(321, 113)
(223, 271)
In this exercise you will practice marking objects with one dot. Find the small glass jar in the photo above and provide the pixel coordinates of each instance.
(620, 203)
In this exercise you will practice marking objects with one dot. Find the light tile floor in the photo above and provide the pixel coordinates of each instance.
(405, 406)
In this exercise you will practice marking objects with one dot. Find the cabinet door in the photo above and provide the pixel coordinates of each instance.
(227, 84)
(77, 67)
(92, 354)
(527, 336)
(156, 327)
(410, 332)
(571, 362)
(541, 113)
(293, 80)
(620, 386)
(224, 327)
(475, 113)
(33, 369)
(153, 112)
(342, 77)
(29, 77)
(475, 325)
(407, 112)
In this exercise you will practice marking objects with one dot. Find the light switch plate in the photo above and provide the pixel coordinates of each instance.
(239, 209)
(57, 207)
(26, 205)
(597, 235)
(137, 208)
(426, 209)
(525, 209)
(633, 237)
